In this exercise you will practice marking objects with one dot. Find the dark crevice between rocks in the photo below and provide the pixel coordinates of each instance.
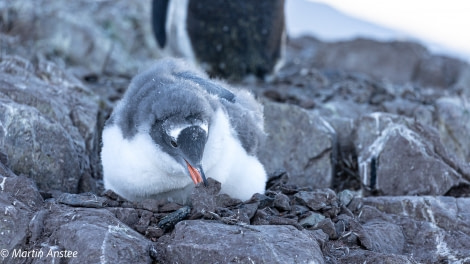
(461, 190)
(346, 169)
(373, 172)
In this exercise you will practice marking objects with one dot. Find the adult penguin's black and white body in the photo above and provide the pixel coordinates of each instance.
(229, 39)
(173, 128)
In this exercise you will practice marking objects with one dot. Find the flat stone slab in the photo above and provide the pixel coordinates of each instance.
(205, 242)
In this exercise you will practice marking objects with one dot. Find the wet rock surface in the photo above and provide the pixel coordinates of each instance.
(368, 161)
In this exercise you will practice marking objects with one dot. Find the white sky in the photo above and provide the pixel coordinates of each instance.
(443, 22)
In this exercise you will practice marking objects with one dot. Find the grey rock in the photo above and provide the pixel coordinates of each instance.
(128, 216)
(321, 199)
(89, 200)
(312, 220)
(47, 121)
(246, 212)
(95, 234)
(4, 170)
(368, 56)
(268, 216)
(263, 200)
(295, 84)
(29, 153)
(434, 228)
(281, 202)
(300, 209)
(207, 198)
(19, 199)
(328, 227)
(345, 197)
(22, 189)
(424, 113)
(14, 225)
(92, 37)
(397, 156)
(453, 122)
(384, 237)
(359, 256)
(438, 71)
(205, 242)
(463, 84)
(170, 220)
(152, 205)
(406, 62)
(299, 142)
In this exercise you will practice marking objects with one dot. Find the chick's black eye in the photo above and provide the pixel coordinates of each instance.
(173, 143)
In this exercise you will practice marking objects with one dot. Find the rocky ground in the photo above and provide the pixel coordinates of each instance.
(368, 151)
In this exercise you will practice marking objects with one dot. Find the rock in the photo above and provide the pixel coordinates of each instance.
(299, 210)
(89, 200)
(90, 37)
(170, 220)
(322, 199)
(19, 199)
(384, 237)
(268, 216)
(407, 62)
(345, 197)
(411, 108)
(366, 256)
(205, 242)
(433, 228)
(152, 205)
(95, 234)
(263, 200)
(302, 142)
(312, 220)
(14, 224)
(128, 216)
(30, 155)
(368, 56)
(246, 212)
(204, 198)
(328, 227)
(438, 71)
(145, 219)
(453, 122)
(22, 189)
(281, 202)
(397, 156)
(462, 86)
(48, 121)
(153, 233)
(169, 207)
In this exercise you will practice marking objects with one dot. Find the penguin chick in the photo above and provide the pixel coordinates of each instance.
(173, 128)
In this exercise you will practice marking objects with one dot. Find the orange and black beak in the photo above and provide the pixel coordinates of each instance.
(196, 174)
(191, 142)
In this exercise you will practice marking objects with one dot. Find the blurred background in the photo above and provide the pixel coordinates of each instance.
(441, 26)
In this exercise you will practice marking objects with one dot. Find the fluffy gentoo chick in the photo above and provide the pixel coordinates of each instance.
(173, 128)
